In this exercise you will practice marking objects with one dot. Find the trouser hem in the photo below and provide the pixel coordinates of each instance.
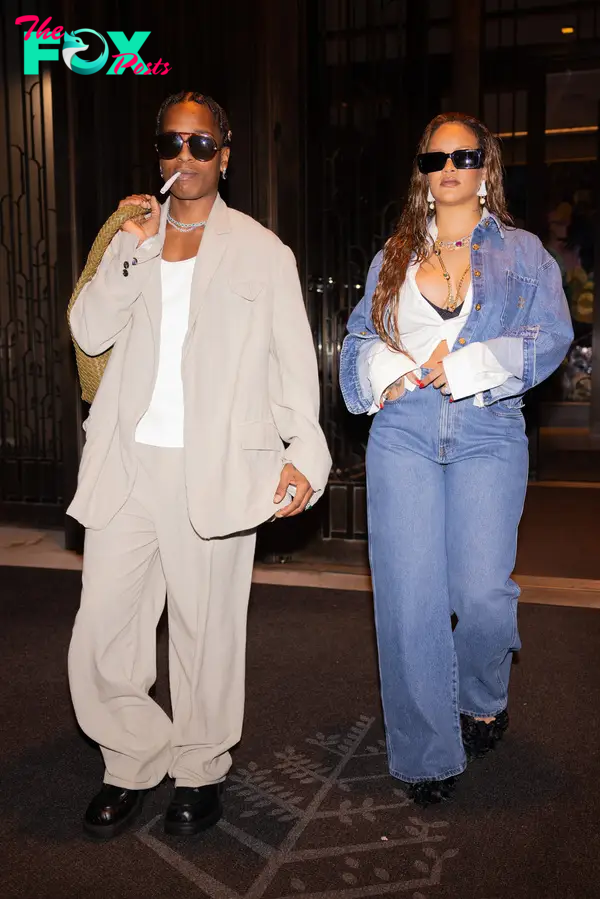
(451, 772)
(480, 714)
(191, 783)
(129, 784)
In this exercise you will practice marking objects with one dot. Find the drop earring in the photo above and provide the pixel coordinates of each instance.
(482, 193)
(224, 174)
(431, 200)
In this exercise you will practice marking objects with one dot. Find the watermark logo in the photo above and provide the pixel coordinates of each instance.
(72, 45)
(41, 43)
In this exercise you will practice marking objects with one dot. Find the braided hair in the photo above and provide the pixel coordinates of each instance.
(219, 114)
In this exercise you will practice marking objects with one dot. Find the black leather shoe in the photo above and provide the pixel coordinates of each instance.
(193, 809)
(112, 811)
(479, 737)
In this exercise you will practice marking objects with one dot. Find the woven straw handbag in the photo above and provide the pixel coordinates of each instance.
(91, 368)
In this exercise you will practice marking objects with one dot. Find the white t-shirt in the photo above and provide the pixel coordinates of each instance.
(162, 424)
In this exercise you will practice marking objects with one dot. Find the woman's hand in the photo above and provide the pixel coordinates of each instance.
(414, 380)
(148, 227)
(437, 377)
(394, 391)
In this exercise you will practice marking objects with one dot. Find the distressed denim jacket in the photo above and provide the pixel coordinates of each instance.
(517, 293)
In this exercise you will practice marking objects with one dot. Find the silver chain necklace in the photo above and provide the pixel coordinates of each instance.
(185, 226)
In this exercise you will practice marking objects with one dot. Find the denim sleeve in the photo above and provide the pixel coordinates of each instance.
(354, 383)
(546, 339)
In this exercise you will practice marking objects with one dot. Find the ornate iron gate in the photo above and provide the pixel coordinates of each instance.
(358, 157)
(31, 452)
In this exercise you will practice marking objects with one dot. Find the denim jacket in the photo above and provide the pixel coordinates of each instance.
(517, 293)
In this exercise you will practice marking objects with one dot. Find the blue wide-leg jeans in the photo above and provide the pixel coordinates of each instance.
(445, 488)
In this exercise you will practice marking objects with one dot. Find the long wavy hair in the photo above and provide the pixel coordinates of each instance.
(412, 235)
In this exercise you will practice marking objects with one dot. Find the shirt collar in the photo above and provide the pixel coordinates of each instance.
(487, 220)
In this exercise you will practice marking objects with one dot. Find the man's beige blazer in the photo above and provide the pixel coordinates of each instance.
(249, 374)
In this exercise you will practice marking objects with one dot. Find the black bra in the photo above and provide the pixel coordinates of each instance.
(445, 313)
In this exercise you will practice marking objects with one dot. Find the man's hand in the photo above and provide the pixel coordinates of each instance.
(147, 227)
(304, 492)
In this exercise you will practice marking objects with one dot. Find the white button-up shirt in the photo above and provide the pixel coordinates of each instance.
(469, 372)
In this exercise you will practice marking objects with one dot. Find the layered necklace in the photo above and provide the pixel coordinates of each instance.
(453, 299)
(184, 226)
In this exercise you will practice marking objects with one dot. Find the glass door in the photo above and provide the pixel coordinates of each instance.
(567, 450)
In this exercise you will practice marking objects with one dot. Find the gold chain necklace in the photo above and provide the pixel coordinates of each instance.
(451, 300)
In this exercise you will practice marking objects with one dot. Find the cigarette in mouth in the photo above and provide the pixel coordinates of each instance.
(168, 183)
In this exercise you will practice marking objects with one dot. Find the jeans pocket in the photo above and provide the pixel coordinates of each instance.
(401, 398)
(506, 409)
(397, 400)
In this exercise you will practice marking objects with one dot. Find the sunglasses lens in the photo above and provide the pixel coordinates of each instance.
(467, 159)
(203, 147)
(168, 144)
(431, 162)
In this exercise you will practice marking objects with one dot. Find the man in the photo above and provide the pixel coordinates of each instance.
(212, 369)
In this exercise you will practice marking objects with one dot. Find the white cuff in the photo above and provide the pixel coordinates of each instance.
(472, 370)
(385, 366)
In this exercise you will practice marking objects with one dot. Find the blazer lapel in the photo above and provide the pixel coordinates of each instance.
(152, 294)
(210, 252)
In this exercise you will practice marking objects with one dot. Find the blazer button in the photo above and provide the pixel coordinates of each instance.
(134, 261)
(477, 273)
(478, 306)
(125, 265)
(125, 273)
(462, 341)
(475, 246)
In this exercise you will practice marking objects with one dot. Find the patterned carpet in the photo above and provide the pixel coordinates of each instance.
(310, 809)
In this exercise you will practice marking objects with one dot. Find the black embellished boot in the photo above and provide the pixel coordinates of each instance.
(479, 737)
(430, 792)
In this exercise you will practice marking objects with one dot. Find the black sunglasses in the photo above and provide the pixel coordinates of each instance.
(202, 146)
(461, 159)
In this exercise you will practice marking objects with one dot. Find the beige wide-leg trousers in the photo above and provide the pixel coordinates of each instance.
(147, 550)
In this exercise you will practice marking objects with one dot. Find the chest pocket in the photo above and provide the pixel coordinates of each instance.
(248, 289)
(518, 301)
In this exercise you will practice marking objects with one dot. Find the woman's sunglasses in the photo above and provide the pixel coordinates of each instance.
(202, 146)
(461, 159)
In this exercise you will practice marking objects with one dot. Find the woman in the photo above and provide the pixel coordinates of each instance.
(213, 367)
(462, 314)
